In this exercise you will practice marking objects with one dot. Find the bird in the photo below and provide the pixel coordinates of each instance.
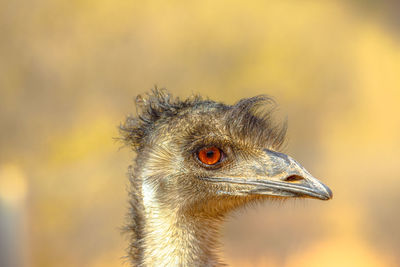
(196, 161)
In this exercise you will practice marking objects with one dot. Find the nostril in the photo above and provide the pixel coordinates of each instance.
(293, 178)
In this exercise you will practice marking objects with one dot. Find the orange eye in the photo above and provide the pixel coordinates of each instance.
(209, 155)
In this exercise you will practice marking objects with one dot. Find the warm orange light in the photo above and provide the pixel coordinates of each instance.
(13, 185)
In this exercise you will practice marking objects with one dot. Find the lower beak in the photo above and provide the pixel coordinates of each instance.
(278, 175)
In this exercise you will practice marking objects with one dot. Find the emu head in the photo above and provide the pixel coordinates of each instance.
(202, 157)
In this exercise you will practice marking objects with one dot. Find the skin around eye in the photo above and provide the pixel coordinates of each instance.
(209, 155)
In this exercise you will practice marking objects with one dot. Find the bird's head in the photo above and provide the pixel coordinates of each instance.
(205, 156)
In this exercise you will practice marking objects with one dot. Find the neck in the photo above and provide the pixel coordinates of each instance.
(176, 240)
(171, 237)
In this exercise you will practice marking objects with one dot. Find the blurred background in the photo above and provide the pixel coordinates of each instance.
(70, 70)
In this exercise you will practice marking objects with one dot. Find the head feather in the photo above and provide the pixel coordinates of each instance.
(249, 119)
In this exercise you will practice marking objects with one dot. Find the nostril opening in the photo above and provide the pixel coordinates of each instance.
(293, 178)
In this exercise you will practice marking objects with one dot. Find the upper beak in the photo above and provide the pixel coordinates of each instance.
(277, 174)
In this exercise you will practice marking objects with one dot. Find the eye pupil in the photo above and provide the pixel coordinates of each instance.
(209, 155)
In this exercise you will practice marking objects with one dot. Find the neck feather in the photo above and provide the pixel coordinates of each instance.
(172, 237)
(165, 235)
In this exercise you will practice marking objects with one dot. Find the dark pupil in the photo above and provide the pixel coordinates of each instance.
(210, 154)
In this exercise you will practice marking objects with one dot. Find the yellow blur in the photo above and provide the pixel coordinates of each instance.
(70, 70)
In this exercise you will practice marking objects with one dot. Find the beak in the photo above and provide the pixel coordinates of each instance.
(276, 174)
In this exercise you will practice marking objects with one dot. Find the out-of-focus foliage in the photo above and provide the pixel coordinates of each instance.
(69, 72)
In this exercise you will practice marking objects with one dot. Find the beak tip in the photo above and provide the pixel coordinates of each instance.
(327, 195)
(330, 193)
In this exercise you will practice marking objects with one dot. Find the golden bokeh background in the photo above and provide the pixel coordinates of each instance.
(69, 72)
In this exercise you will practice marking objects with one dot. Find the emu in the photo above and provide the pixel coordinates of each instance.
(197, 160)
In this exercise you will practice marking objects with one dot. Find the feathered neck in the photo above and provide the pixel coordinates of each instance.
(163, 235)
